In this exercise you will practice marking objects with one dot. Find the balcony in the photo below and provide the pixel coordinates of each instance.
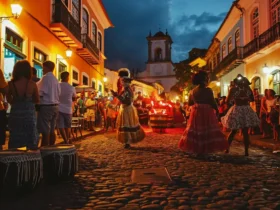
(263, 41)
(89, 52)
(64, 26)
(231, 61)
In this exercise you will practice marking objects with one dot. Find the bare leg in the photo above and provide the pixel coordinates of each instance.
(45, 139)
(230, 138)
(52, 138)
(246, 140)
(67, 132)
(64, 135)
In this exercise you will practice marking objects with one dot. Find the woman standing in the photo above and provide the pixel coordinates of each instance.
(203, 134)
(241, 115)
(22, 95)
(129, 130)
(264, 126)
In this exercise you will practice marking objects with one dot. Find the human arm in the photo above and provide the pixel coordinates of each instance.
(190, 101)
(35, 94)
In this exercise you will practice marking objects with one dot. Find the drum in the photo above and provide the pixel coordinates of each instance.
(160, 121)
(60, 162)
(20, 170)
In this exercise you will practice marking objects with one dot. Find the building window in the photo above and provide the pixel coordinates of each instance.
(255, 23)
(76, 5)
(85, 80)
(276, 82)
(158, 54)
(256, 83)
(13, 40)
(85, 22)
(229, 45)
(93, 32)
(61, 68)
(99, 44)
(223, 51)
(93, 84)
(237, 38)
(38, 59)
(275, 11)
(10, 58)
(75, 77)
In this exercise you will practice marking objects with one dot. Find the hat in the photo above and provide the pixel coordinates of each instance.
(124, 72)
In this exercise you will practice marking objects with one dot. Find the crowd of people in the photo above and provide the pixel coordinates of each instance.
(40, 106)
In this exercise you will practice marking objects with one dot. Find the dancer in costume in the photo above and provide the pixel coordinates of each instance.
(203, 134)
(123, 72)
(241, 115)
(129, 130)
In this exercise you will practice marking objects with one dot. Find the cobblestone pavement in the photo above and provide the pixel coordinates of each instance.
(219, 181)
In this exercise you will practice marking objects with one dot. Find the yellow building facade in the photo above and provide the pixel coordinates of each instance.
(247, 43)
(45, 30)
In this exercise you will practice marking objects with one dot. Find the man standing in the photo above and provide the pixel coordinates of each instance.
(67, 96)
(49, 91)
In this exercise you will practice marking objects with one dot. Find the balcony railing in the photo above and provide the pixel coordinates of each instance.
(88, 43)
(265, 39)
(62, 15)
(233, 59)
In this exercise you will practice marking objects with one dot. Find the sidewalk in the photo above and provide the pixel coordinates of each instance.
(59, 139)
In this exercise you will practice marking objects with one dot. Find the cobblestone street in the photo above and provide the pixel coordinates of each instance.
(219, 181)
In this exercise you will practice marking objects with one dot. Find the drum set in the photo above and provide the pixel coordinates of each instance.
(23, 170)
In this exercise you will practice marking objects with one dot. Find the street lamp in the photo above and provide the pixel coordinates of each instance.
(105, 79)
(16, 11)
(68, 52)
(266, 69)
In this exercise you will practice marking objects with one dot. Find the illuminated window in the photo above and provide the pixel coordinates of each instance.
(229, 45)
(85, 22)
(255, 23)
(61, 68)
(38, 59)
(237, 38)
(275, 11)
(93, 32)
(13, 40)
(76, 5)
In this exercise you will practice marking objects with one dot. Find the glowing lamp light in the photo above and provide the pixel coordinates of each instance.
(68, 52)
(218, 84)
(186, 97)
(177, 97)
(266, 69)
(105, 79)
(16, 10)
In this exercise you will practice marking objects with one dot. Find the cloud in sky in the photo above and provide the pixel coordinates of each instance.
(188, 24)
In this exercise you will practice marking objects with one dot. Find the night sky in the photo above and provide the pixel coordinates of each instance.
(190, 23)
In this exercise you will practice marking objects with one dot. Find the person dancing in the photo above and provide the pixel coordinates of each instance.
(129, 130)
(240, 115)
(202, 134)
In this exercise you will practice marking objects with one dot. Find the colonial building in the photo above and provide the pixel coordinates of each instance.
(248, 42)
(45, 30)
(159, 67)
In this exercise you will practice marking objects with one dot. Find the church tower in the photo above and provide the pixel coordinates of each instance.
(159, 66)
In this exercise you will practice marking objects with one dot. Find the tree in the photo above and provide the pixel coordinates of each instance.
(183, 74)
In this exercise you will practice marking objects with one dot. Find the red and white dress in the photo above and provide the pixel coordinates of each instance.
(203, 134)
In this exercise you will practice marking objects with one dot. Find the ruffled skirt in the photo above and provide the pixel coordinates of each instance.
(240, 117)
(129, 130)
(203, 134)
